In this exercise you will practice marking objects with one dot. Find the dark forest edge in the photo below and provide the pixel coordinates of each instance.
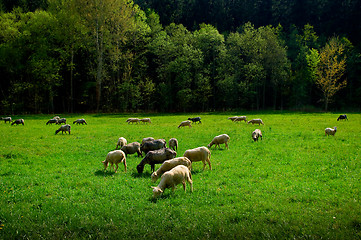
(77, 56)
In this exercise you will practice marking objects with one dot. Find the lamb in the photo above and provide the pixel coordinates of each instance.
(145, 120)
(185, 123)
(6, 119)
(152, 145)
(220, 139)
(256, 134)
(156, 157)
(115, 157)
(195, 120)
(133, 120)
(18, 121)
(169, 164)
(80, 121)
(132, 148)
(61, 120)
(342, 117)
(170, 179)
(121, 142)
(147, 139)
(232, 118)
(239, 119)
(330, 131)
(51, 121)
(199, 154)
(173, 144)
(253, 121)
(63, 128)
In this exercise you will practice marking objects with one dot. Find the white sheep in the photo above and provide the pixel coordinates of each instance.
(256, 134)
(199, 154)
(121, 142)
(147, 139)
(232, 118)
(169, 164)
(256, 121)
(239, 119)
(6, 119)
(133, 120)
(220, 139)
(80, 121)
(173, 144)
(56, 117)
(145, 120)
(330, 131)
(170, 179)
(61, 120)
(18, 121)
(185, 123)
(63, 128)
(115, 157)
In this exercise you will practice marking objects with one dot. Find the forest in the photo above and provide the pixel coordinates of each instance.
(178, 56)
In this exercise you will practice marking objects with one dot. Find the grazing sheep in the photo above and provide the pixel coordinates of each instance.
(61, 120)
(220, 139)
(195, 120)
(153, 145)
(51, 121)
(133, 120)
(232, 118)
(18, 121)
(330, 131)
(342, 117)
(156, 157)
(255, 121)
(147, 139)
(56, 117)
(256, 134)
(132, 148)
(121, 142)
(239, 119)
(173, 144)
(115, 157)
(169, 164)
(185, 123)
(199, 154)
(6, 119)
(80, 121)
(63, 128)
(145, 120)
(170, 179)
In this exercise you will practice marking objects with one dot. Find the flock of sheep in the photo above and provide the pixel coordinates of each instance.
(173, 170)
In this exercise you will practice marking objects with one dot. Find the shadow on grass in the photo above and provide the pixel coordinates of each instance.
(102, 173)
(161, 197)
(141, 175)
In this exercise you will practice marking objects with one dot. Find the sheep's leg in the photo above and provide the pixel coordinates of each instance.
(204, 165)
(125, 165)
(116, 168)
(209, 164)
(184, 185)
(191, 184)
(227, 146)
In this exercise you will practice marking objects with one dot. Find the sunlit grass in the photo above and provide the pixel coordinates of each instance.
(295, 183)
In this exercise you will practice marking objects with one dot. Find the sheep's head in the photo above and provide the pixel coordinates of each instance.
(210, 145)
(105, 163)
(254, 136)
(157, 192)
(154, 176)
(140, 168)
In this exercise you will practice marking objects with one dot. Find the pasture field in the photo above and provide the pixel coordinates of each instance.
(296, 183)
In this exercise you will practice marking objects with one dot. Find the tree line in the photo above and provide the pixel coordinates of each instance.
(116, 55)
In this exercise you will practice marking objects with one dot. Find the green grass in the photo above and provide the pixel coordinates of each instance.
(294, 184)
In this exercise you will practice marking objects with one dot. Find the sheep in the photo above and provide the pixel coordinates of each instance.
(18, 121)
(253, 121)
(195, 120)
(239, 119)
(342, 117)
(199, 154)
(61, 120)
(173, 144)
(147, 139)
(133, 120)
(185, 123)
(330, 131)
(80, 121)
(169, 164)
(51, 121)
(63, 128)
(256, 134)
(115, 157)
(152, 145)
(156, 157)
(220, 139)
(132, 148)
(6, 119)
(121, 142)
(56, 117)
(232, 118)
(145, 120)
(173, 177)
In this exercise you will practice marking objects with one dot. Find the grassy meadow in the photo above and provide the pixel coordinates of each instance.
(296, 183)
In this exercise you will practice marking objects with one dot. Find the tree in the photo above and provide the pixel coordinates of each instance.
(330, 70)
